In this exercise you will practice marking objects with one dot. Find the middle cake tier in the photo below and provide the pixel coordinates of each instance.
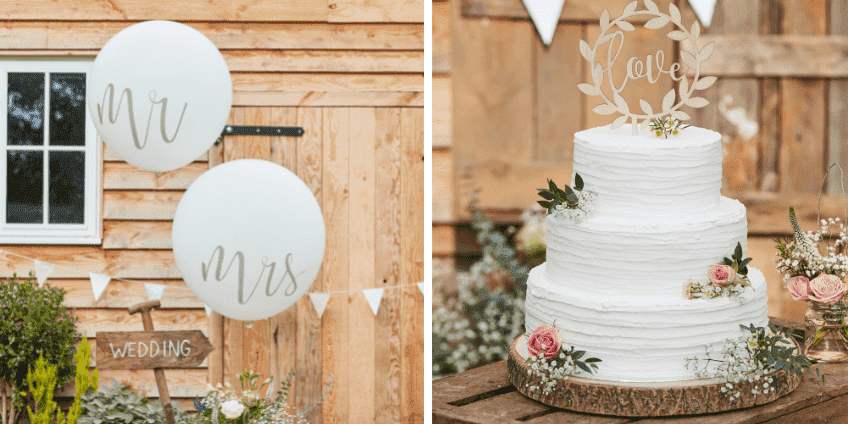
(628, 256)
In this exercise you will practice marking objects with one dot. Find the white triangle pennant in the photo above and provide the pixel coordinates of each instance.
(374, 296)
(704, 9)
(98, 284)
(319, 301)
(208, 309)
(42, 271)
(154, 291)
(545, 15)
(421, 286)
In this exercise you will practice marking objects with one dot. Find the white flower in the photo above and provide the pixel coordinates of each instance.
(232, 409)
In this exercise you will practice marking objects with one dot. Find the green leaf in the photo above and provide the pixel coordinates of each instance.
(577, 355)
(583, 367)
(546, 194)
(745, 261)
(568, 190)
(727, 261)
(544, 204)
(738, 252)
(592, 360)
(578, 182)
(552, 186)
(572, 198)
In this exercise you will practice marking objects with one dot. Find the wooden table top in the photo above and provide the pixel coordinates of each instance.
(485, 395)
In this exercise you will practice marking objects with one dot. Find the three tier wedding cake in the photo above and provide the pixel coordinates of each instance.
(615, 279)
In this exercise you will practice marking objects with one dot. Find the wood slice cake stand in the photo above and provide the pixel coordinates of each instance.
(640, 399)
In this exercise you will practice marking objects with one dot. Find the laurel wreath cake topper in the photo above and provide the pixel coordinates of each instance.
(636, 69)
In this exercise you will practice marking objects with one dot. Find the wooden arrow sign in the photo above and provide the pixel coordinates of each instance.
(151, 349)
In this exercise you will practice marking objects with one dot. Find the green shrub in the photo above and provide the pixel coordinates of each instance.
(118, 404)
(33, 324)
(42, 384)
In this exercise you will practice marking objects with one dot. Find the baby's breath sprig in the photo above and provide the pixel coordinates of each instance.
(558, 368)
(669, 126)
(752, 358)
(802, 254)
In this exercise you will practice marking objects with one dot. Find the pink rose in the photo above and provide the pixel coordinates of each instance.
(544, 340)
(799, 288)
(722, 275)
(827, 288)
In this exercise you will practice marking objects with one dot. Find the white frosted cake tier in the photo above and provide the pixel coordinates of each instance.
(636, 173)
(616, 255)
(641, 338)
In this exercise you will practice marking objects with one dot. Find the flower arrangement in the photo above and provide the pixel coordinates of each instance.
(800, 255)
(222, 405)
(550, 361)
(670, 126)
(573, 204)
(752, 358)
(728, 279)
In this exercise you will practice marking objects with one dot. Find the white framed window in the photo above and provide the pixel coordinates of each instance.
(51, 156)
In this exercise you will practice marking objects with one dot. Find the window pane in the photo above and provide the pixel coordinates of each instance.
(67, 187)
(26, 109)
(25, 187)
(67, 109)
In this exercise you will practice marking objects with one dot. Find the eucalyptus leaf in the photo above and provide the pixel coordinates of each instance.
(578, 182)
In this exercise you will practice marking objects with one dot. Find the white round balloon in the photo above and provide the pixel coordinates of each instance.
(160, 94)
(248, 238)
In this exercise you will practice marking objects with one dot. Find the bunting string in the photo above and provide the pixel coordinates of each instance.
(155, 291)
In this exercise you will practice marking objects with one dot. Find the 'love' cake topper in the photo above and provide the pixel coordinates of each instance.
(637, 69)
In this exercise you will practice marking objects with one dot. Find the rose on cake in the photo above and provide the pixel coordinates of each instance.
(827, 288)
(721, 275)
(544, 340)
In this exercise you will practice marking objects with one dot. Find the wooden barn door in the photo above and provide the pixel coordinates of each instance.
(365, 166)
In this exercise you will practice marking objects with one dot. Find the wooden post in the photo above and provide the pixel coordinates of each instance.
(145, 308)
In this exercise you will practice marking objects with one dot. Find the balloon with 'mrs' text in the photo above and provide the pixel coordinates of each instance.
(160, 94)
(248, 238)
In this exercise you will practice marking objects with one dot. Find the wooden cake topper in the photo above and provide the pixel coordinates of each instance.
(637, 69)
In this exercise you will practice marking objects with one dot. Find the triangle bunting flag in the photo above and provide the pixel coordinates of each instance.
(154, 291)
(42, 271)
(319, 301)
(374, 296)
(545, 16)
(208, 309)
(421, 287)
(98, 284)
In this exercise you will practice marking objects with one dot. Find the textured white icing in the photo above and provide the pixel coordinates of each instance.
(614, 282)
(623, 256)
(639, 340)
(638, 173)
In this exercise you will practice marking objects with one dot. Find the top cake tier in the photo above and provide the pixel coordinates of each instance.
(643, 173)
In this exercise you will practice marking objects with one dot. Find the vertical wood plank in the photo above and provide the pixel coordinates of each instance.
(335, 271)
(284, 149)
(803, 114)
(309, 169)
(412, 266)
(559, 104)
(838, 102)
(216, 320)
(770, 105)
(387, 353)
(257, 337)
(362, 254)
(282, 328)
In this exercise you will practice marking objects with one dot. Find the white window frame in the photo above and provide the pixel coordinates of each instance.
(90, 232)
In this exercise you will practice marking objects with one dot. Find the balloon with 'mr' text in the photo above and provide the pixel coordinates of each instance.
(160, 94)
(248, 238)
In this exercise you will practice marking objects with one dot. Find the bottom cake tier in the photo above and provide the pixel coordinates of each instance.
(643, 338)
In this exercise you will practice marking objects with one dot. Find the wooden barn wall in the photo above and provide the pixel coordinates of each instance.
(351, 73)
(506, 108)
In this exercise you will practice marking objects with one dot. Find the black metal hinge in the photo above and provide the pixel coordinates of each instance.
(255, 130)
